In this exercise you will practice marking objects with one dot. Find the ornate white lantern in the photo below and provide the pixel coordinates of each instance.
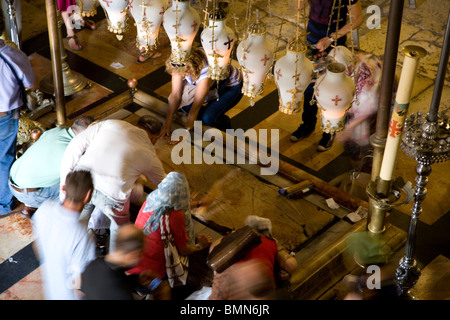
(334, 93)
(293, 73)
(218, 41)
(88, 8)
(181, 23)
(148, 16)
(255, 56)
(116, 15)
(343, 55)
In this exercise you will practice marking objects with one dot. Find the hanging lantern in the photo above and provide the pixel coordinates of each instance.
(116, 15)
(88, 8)
(148, 16)
(181, 23)
(255, 56)
(218, 42)
(343, 55)
(334, 93)
(293, 73)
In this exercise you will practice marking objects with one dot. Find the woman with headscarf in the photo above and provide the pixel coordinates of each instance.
(173, 196)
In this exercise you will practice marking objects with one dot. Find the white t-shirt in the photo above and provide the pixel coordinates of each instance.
(64, 249)
(116, 153)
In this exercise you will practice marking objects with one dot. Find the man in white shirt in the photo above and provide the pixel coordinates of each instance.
(116, 153)
(62, 243)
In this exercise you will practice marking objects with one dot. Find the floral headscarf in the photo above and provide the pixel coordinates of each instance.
(172, 192)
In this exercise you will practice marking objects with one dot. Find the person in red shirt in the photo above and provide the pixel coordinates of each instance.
(172, 194)
(254, 277)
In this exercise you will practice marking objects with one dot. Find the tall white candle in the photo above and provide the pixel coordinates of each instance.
(402, 99)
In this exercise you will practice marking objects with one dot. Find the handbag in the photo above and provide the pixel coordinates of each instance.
(177, 266)
(232, 248)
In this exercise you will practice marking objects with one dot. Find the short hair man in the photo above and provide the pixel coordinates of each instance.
(105, 277)
(61, 242)
(34, 177)
(117, 153)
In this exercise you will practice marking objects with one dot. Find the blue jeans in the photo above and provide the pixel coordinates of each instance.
(309, 115)
(9, 126)
(34, 199)
(117, 212)
(213, 113)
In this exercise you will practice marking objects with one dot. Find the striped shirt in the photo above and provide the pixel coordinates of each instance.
(234, 79)
(319, 16)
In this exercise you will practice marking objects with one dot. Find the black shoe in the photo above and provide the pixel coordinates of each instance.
(301, 133)
(326, 142)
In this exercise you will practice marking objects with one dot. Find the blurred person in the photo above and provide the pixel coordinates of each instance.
(363, 286)
(117, 153)
(106, 279)
(62, 243)
(34, 176)
(200, 97)
(322, 30)
(365, 69)
(255, 275)
(72, 20)
(172, 195)
(17, 74)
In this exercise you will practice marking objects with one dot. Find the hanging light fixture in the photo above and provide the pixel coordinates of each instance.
(255, 56)
(334, 90)
(294, 71)
(148, 16)
(88, 8)
(218, 42)
(334, 93)
(181, 23)
(116, 15)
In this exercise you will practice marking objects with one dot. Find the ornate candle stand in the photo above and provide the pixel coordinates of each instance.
(427, 142)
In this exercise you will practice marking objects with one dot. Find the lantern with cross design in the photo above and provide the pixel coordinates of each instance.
(334, 92)
(148, 16)
(181, 23)
(88, 8)
(255, 56)
(116, 15)
(293, 73)
(218, 41)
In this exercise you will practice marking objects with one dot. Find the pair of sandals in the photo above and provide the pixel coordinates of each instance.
(145, 57)
(75, 44)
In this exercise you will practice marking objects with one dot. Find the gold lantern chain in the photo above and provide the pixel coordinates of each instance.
(349, 13)
(205, 20)
(282, 22)
(177, 24)
(352, 44)
(350, 20)
(337, 22)
(146, 26)
(235, 18)
(248, 14)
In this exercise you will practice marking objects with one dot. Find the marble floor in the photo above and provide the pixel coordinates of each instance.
(109, 97)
